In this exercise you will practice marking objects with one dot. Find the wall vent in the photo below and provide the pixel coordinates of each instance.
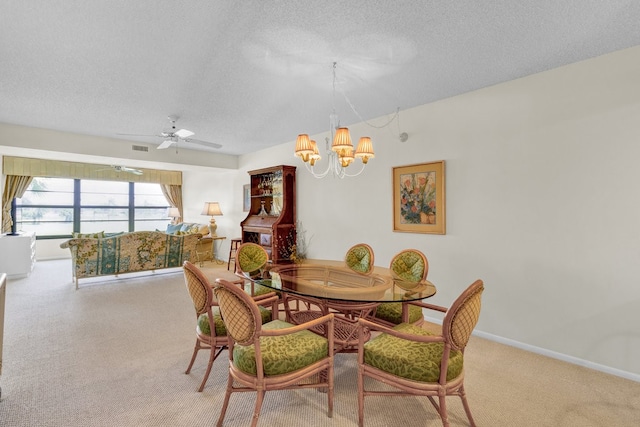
(140, 148)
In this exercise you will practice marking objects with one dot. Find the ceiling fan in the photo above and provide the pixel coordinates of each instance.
(126, 169)
(172, 136)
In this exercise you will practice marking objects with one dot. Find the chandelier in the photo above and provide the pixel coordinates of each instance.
(340, 154)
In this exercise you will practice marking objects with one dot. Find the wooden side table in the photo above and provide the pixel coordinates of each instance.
(213, 250)
(205, 252)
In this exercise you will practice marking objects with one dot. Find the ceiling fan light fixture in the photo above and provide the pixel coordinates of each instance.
(184, 133)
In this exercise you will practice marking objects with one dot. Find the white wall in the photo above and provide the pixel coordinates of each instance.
(542, 204)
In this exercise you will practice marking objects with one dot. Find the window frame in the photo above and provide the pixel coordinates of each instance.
(77, 207)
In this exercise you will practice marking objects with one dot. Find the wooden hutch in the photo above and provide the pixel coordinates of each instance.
(271, 222)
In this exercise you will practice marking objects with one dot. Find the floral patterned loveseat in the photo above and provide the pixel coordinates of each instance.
(129, 252)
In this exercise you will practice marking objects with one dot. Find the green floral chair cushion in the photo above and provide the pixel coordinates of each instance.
(409, 266)
(392, 312)
(359, 258)
(221, 330)
(251, 258)
(283, 354)
(408, 359)
(262, 290)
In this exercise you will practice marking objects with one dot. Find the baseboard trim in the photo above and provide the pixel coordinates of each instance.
(549, 353)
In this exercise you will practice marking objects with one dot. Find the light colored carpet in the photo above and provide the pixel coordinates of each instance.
(114, 353)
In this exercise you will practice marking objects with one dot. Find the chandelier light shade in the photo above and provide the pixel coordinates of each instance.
(316, 154)
(304, 149)
(340, 154)
(342, 142)
(365, 149)
(212, 209)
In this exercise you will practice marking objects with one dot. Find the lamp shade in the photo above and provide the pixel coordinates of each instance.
(316, 154)
(347, 158)
(303, 147)
(342, 141)
(365, 149)
(211, 209)
(173, 212)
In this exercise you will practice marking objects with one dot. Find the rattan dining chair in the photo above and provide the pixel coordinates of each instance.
(210, 338)
(415, 362)
(273, 356)
(409, 265)
(360, 258)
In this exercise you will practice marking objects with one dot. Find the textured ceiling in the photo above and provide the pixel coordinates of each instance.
(252, 74)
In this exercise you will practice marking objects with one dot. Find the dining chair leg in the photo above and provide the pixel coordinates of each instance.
(465, 404)
(443, 411)
(193, 358)
(227, 395)
(256, 412)
(360, 395)
(330, 394)
(212, 357)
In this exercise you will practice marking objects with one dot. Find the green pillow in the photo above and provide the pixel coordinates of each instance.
(98, 235)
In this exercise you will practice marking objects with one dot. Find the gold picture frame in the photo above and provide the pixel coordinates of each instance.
(419, 198)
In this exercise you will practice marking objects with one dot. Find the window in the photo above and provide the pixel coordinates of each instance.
(57, 207)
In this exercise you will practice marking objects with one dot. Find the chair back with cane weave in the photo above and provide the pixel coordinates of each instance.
(199, 289)
(462, 317)
(210, 331)
(240, 313)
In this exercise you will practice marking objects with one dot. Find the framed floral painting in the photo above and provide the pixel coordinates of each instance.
(418, 198)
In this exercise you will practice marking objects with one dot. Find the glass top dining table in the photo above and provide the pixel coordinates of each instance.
(332, 280)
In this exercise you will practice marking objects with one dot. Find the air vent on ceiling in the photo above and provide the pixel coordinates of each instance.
(140, 148)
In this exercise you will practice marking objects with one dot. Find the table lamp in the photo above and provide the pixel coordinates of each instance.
(174, 214)
(212, 209)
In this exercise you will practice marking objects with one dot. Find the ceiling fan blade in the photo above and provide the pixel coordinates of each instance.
(133, 134)
(184, 133)
(134, 171)
(166, 144)
(119, 168)
(203, 143)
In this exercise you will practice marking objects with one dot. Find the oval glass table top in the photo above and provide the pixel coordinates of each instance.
(333, 280)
